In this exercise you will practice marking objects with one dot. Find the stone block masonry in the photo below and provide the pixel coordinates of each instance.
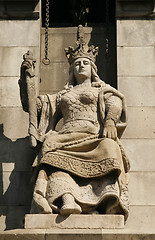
(136, 58)
(18, 35)
(52, 221)
(76, 234)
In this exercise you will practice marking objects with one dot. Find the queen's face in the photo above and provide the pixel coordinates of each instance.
(82, 70)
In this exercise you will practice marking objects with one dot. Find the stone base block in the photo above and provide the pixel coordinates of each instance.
(76, 234)
(48, 221)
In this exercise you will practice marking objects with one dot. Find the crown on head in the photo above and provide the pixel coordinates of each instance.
(82, 49)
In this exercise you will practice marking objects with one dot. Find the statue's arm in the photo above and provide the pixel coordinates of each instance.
(26, 81)
(113, 107)
(43, 111)
(28, 94)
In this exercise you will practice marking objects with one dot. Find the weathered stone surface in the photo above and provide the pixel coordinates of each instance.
(73, 221)
(11, 59)
(16, 188)
(136, 61)
(136, 80)
(12, 217)
(17, 153)
(141, 219)
(135, 33)
(139, 91)
(20, 33)
(19, 121)
(141, 188)
(60, 38)
(7, 167)
(140, 152)
(2, 222)
(66, 234)
(128, 236)
(13, 235)
(57, 42)
(54, 77)
(9, 87)
(138, 222)
(144, 117)
(104, 237)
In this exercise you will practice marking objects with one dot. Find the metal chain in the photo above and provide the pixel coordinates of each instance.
(46, 60)
(107, 29)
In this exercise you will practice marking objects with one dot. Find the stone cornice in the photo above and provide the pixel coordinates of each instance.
(19, 9)
(30, 9)
(135, 9)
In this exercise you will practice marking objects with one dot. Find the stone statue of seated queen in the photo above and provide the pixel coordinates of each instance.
(82, 168)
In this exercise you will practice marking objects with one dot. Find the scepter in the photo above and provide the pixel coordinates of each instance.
(28, 94)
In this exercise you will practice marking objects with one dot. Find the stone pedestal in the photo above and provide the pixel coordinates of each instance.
(52, 221)
(76, 234)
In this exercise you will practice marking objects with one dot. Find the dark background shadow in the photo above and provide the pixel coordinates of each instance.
(106, 63)
(15, 198)
(101, 16)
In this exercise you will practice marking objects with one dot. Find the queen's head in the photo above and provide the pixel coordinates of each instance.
(82, 62)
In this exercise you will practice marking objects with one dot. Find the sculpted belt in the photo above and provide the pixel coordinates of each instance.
(81, 116)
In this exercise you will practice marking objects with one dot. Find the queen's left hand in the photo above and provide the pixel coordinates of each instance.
(110, 130)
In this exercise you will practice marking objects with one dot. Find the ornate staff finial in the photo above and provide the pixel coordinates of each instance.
(80, 35)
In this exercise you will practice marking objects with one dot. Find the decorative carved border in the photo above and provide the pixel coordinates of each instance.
(87, 169)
